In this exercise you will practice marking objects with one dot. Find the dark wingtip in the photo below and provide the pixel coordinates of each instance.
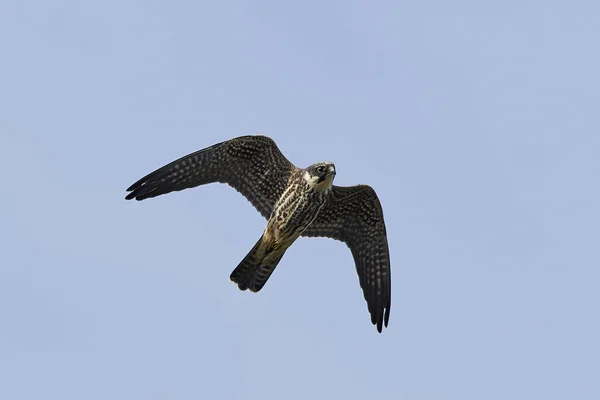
(133, 189)
(386, 318)
(135, 194)
(379, 322)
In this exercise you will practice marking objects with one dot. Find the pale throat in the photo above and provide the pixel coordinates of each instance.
(313, 182)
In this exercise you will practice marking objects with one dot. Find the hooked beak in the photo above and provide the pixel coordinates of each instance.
(331, 170)
(329, 173)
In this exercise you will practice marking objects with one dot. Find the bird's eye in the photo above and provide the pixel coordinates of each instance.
(320, 169)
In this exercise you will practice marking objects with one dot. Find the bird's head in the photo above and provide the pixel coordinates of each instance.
(320, 175)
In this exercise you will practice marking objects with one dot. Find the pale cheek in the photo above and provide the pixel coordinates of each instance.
(309, 179)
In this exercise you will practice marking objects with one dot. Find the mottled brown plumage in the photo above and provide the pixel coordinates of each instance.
(354, 216)
(296, 202)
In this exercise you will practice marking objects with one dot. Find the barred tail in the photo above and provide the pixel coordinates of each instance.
(251, 273)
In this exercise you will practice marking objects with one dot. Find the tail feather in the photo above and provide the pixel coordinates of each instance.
(251, 273)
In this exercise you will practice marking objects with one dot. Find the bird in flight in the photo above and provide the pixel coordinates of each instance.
(296, 202)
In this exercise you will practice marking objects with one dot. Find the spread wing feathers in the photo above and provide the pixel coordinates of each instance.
(252, 165)
(354, 215)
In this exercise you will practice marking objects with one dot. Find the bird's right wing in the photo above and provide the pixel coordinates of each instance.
(252, 165)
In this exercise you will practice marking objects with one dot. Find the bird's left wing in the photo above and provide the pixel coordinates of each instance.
(252, 165)
(354, 215)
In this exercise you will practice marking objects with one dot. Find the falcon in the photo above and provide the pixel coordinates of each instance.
(296, 202)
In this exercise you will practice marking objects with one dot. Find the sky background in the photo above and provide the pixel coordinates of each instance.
(477, 125)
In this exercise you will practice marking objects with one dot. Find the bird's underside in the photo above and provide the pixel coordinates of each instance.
(295, 202)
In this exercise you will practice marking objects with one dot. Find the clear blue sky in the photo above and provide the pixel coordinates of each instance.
(476, 124)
